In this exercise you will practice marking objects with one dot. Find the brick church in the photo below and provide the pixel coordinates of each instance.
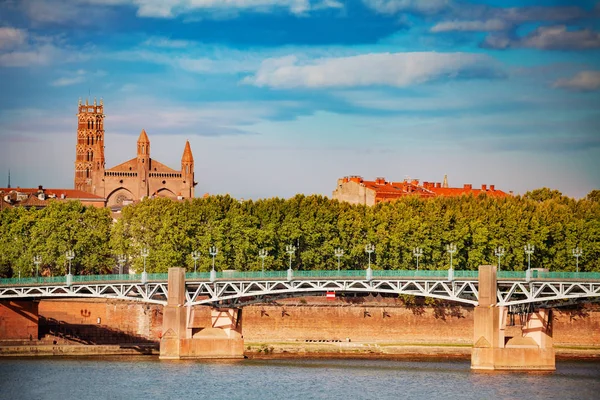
(132, 180)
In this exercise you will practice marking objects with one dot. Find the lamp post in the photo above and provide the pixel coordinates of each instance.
(529, 249)
(339, 252)
(37, 260)
(290, 249)
(144, 253)
(195, 257)
(417, 252)
(70, 254)
(262, 253)
(499, 252)
(577, 252)
(121, 259)
(369, 248)
(451, 248)
(213, 251)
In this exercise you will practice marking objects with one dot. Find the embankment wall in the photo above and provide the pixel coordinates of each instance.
(372, 319)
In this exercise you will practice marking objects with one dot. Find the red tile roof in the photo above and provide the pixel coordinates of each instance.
(68, 194)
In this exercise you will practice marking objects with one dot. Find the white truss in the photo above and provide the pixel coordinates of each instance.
(244, 292)
(147, 293)
(513, 293)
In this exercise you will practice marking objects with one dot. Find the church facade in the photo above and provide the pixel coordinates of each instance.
(131, 180)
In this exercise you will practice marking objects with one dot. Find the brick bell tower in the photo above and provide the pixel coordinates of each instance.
(89, 152)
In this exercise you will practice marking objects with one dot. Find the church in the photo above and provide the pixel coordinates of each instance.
(131, 180)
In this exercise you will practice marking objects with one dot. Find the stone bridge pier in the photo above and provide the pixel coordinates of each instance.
(493, 349)
(220, 338)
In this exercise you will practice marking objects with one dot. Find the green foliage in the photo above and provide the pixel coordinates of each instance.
(171, 230)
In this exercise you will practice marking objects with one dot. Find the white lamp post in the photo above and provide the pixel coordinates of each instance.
(121, 259)
(213, 251)
(144, 253)
(37, 260)
(339, 252)
(70, 254)
(451, 248)
(499, 252)
(290, 249)
(262, 253)
(577, 252)
(417, 252)
(369, 248)
(529, 249)
(195, 257)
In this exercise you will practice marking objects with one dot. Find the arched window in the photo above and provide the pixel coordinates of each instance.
(87, 172)
(92, 124)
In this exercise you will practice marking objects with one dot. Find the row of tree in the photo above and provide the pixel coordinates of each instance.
(315, 225)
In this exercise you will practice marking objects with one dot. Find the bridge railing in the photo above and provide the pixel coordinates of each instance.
(344, 274)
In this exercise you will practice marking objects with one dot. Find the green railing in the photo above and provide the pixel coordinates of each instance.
(343, 274)
(565, 275)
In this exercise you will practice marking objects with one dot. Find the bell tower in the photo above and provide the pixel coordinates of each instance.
(89, 151)
(143, 164)
(187, 172)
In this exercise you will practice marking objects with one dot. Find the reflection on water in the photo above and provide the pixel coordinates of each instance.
(148, 378)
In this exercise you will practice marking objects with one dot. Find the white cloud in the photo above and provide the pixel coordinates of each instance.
(549, 38)
(473, 26)
(585, 81)
(12, 37)
(391, 69)
(96, 12)
(163, 42)
(395, 6)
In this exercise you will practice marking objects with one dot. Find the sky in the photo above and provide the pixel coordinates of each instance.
(279, 97)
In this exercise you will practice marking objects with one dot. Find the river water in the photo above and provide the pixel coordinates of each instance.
(148, 378)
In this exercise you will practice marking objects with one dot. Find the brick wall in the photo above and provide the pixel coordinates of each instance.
(385, 320)
(18, 320)
(366, 319)
(101, 321)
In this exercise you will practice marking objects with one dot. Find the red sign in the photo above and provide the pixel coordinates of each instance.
(330, 295)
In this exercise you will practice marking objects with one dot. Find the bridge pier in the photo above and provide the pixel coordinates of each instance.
(492, 349)
(180, 339)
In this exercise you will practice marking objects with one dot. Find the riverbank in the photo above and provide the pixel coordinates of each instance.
(292, 349)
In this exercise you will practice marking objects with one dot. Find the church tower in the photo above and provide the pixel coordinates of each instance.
(143, 164)
(187, 172)
(89, 151)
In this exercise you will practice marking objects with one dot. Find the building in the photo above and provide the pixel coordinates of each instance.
(40, 197)
(355, 190)
(132, 180)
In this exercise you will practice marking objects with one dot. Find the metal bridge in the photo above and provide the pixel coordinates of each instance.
(236, 289)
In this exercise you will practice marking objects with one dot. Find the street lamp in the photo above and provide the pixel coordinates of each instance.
(577, 252)
(451, 248)
(290, 249)
(339, 252)
(195, 257)
(417, 252)
(37, 260)
(213, 251)
(369, 248)
(499, 252)
(70, 254)
(529, 249)
(121, 259)
(262, 253)
(144, 253)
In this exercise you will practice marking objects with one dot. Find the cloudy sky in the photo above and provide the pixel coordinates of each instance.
(279, 97)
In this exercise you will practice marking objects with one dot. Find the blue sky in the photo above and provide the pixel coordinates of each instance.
(279, 97)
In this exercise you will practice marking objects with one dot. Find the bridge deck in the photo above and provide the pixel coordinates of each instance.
(235, 288)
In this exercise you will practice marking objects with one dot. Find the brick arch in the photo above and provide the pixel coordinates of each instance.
(117, 196)
(164, 192)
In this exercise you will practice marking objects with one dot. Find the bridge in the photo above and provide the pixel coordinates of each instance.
(236, 289)
(227, 292)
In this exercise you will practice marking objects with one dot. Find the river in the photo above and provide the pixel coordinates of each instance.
(148, 378)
